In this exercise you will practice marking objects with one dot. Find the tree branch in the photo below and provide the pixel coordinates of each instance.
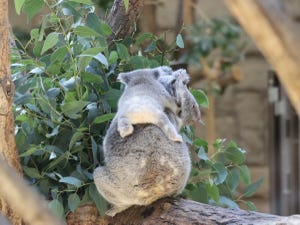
(28, 204)
(123, 22)
(178, 212)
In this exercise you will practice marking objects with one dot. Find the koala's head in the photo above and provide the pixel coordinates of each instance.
(176, 85)
(140, 76)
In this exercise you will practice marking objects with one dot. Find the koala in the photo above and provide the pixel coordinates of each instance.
(176, 85)
(146, 165)
(144, 101)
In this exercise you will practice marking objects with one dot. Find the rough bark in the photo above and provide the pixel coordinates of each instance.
(123, 22)
(7, 142)
(181, 212)
(277, 36)
(26, 202)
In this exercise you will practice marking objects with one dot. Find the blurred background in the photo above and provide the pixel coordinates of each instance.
(247, 102)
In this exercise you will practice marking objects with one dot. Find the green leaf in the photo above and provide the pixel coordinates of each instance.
(141, 38)
(93, 22)
(104, 118)
(51, 41)
(202, 154)
(200, 142)
(245, 174)
(87, 2)
(30, 151)
(54, 132)
(200, 97)
(252, 188)
(122, 51)
(59, 54)
(228, 202)
(57, 208)
(179, 41)
(71, 109)
(199, 194)
(106, 29)
(73, 201)
(221, 173)
(98, 199)
(101, 58)
(86, 56)
(19, 5)
(213, 192)
(250, 206)
(32, 172)
(233, 179)
(235, 155)
(77, 136)
(85, 31)
(71, 180)
(126, 4)
(113, 57)
(37, 49)
(32, 7)
(34, 34)
(91, 78)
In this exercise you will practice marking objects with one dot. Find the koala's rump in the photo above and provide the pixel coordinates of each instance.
(152, 165)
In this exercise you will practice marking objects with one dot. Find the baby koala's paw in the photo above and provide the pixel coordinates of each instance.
(125, 130)
(176, 138)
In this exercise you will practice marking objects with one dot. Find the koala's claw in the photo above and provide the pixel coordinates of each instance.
(176, 138)
(125, 131)
(115, 210)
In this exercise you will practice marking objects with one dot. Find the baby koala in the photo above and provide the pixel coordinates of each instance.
(176, 85)
(144, 101)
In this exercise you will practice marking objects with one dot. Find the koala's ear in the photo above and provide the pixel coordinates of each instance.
(124, 78)
(182, 75)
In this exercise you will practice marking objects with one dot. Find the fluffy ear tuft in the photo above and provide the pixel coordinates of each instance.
(124, 78)
(182, 75)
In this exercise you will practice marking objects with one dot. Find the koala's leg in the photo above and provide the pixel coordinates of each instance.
(106, 184)
(125, 127)
(168, 128)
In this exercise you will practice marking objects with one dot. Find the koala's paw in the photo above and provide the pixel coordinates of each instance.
(176, 138)
(126, 130)
(115, 210)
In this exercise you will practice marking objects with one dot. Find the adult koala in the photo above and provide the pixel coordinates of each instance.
(147, 165)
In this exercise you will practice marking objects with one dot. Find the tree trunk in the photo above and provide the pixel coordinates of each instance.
(7, 142)
(181, 212)
(123, 22)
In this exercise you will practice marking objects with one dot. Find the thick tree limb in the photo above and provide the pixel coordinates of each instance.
(183, 212)
(123, 22)
(276, 36)
(28, 204)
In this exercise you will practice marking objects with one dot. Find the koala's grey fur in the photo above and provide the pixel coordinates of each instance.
(144, 101)
(146, 165)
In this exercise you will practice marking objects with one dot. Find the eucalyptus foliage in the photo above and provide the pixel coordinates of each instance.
(66, 94)
(215, 39)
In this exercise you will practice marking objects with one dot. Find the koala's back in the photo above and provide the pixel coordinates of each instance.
(146, 165)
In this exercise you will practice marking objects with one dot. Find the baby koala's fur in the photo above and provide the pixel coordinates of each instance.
(147, 165)
(176, 85)
(144, 101)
